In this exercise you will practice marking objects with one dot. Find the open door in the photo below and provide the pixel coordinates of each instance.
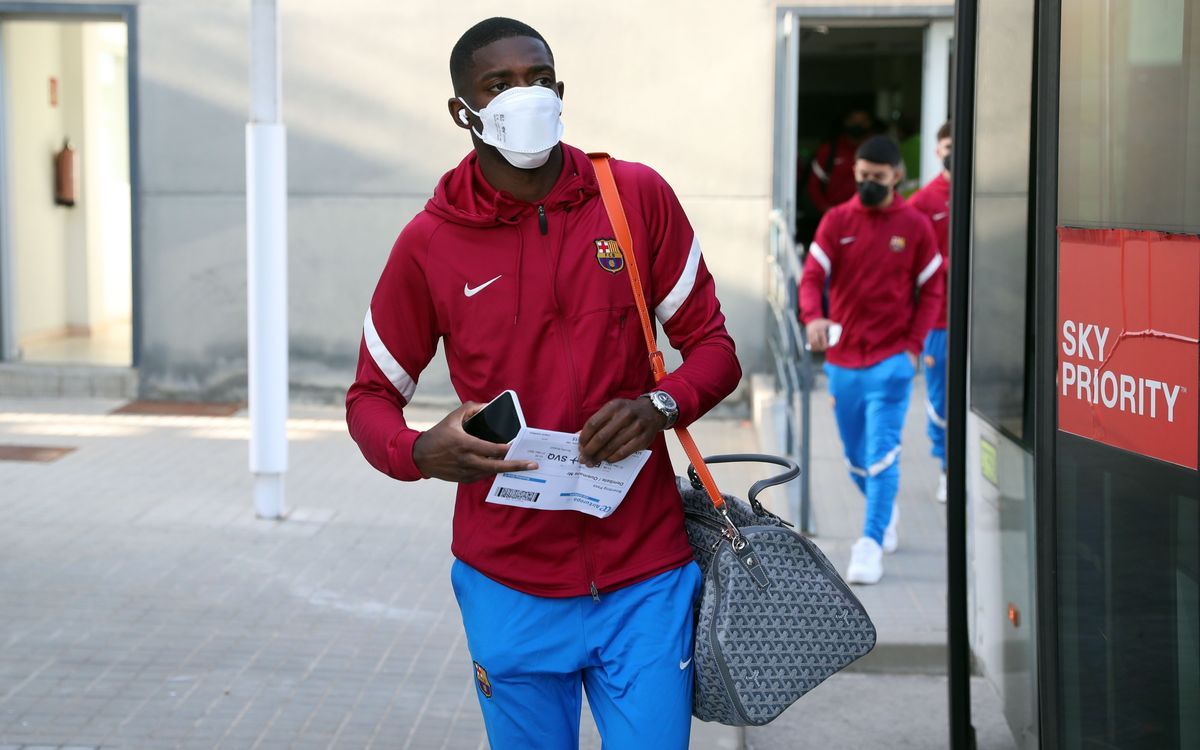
(65, 226)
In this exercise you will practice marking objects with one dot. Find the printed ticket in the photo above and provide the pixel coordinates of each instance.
(561, 482)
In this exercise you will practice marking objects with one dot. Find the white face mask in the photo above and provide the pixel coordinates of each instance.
(523, 123)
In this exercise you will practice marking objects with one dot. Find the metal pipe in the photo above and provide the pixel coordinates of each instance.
(962, 733)
(266, 264)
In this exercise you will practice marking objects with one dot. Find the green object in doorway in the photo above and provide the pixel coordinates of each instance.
(987, 462)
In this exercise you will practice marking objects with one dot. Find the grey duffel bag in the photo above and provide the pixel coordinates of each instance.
(774, 617)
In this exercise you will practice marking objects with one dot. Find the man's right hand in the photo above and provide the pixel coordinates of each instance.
(818, 334)
(446, 451)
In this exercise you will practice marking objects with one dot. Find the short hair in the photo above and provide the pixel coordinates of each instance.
(945, 131)
(481, 35)
(879, 149)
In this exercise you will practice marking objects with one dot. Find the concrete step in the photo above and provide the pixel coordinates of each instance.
(27, 380)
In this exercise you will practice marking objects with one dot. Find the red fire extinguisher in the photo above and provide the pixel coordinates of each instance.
(64, 175)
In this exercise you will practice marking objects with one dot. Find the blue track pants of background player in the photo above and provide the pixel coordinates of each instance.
(870, 404)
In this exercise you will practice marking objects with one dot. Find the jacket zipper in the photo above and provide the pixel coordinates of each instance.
(544, 230)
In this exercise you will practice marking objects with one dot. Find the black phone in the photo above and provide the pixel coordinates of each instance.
(499, 421)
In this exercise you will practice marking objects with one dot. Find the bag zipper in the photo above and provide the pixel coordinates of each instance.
(711, 523)
(714, 644)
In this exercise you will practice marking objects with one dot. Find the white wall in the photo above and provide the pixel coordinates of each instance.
(365, 86)
(106, 188)
(39, 230)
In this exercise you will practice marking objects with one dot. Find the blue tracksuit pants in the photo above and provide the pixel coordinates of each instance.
(631, 651)
(870, 404)
(935, 386)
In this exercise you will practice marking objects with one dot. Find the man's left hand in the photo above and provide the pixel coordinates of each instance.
(621, 428)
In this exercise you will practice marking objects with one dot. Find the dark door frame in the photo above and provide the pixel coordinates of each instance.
(962, 733)
(1047, 44)
(126, 13)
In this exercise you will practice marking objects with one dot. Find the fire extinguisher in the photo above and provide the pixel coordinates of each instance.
(64, 175)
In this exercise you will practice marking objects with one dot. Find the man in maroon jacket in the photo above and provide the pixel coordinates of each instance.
(933, 200)
(886, 286)
(831, 176)
(513, 265)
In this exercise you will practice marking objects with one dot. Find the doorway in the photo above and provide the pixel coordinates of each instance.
(867, 78)
(66, 240)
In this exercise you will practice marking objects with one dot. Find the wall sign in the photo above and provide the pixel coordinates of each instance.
(1128, 333)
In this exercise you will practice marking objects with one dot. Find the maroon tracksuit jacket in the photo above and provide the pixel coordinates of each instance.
(536, 298)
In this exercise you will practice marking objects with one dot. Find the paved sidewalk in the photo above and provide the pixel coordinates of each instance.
(145, 607)
(896, 697)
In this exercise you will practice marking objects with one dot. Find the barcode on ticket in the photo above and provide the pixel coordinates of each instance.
(510, 494)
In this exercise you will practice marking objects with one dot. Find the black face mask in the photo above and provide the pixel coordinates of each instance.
(872, 193)
(856, 131)
(946, 162)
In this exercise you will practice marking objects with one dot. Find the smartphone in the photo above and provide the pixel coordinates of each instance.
(499, 421)
(834, 334)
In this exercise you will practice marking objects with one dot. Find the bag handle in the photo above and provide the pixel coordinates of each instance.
(616, 216)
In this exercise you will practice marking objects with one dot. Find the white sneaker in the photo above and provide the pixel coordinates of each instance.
(891, 540)
(941, 491)
(866, 562)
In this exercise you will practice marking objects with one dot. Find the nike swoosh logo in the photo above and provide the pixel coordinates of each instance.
(684, 664)
(467, 290)
(940, 216)
(846, 240)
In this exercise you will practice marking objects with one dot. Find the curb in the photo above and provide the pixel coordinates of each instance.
(903, 658)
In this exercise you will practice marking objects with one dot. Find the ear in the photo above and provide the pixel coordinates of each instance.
(561, 88)
(459, 114)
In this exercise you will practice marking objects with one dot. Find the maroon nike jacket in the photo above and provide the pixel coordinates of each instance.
(536, 298)
(933, 200)
(886, 280)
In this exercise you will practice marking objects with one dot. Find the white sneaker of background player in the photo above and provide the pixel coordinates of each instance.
(891, 540)
(866, 562)
(941, 491)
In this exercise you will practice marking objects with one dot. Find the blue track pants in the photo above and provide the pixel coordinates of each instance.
(870, 404)
(631, 651)
(935, 386)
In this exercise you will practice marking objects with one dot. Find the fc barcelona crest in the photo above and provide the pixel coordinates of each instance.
(481, 679)
(609, 255)
(898, 243)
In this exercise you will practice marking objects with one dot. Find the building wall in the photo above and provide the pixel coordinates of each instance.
(685, 88)
(365, 86)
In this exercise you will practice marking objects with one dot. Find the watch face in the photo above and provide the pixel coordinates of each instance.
(665, 400)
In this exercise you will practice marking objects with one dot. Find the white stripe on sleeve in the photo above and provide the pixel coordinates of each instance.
(927, 274)
(385, 361)
(818, 252)
(683, 288)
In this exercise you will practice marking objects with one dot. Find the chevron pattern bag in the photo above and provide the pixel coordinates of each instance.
(774, 618)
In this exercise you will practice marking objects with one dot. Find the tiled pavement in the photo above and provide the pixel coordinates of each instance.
(144, 607)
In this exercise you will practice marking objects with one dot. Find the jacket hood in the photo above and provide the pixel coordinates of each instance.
(463, 195)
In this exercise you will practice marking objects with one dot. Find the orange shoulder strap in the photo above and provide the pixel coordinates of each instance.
(616, 216)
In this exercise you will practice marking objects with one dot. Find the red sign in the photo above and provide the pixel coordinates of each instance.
(1129, 340)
